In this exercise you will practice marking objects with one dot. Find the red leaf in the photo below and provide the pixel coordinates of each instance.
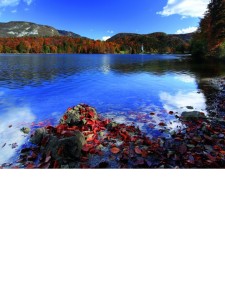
(73, 128)
(115, 150)
(91, 113)
(56, 165)
(137, 150)
(61, 128)
(30, 166)
(65, 117)
(144, 153)
(87, 147)
(171, 112)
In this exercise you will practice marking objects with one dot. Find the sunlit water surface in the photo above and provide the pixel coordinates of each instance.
(36, 90)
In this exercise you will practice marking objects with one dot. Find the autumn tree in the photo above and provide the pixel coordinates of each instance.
(209, 40)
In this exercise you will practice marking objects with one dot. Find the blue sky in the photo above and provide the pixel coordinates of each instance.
(100, 19)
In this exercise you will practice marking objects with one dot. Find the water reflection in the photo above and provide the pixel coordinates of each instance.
(22, 70)
(105, 64)
(11, 138)
(185, 78)
(179, 101)
(126, 87)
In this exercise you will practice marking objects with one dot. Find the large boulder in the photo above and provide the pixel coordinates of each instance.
(59, 148)
(38, 135)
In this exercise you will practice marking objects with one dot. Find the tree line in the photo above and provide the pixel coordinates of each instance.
(56, 45)
(160, 43)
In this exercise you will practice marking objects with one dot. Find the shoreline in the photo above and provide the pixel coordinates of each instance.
(102, 143)
(199, 144)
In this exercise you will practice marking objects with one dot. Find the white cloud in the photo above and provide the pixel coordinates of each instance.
(187, 30)
(13, 3)
(110, 31)
(185, 8)
(14, 11)
(105, 38)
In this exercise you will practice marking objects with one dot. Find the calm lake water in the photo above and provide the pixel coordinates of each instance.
(36, 90)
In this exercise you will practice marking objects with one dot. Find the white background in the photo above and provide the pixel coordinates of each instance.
(117, 235)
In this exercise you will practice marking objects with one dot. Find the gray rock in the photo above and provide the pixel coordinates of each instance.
(73, 116)
(111, 125)
(37, 137)
(25, 130)
(63, 148)
(190, 115)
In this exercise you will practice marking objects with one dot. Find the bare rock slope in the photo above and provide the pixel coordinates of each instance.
(21, 29)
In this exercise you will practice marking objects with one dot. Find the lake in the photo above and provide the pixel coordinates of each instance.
(36, 90)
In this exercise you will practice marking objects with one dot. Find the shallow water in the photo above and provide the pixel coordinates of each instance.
(39, 88)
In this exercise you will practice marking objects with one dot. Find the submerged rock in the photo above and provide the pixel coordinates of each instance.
(25, 130)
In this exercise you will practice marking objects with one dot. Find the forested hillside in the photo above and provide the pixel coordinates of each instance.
(56, 45)
(209, 40)
(157, 42)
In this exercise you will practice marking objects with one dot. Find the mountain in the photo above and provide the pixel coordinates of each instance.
(185, 37)
(21, 29)
(157, 42)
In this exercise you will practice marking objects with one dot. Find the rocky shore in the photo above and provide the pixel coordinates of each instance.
(83, 140)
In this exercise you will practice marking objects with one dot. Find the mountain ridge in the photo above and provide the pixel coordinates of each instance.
(27, 29)
(24, 28)
(184, 36)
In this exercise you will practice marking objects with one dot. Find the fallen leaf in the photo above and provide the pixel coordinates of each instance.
(137, 150)
(56, 165)
(87, 147)
(115, 150)
(90, 137)
(30, 166)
